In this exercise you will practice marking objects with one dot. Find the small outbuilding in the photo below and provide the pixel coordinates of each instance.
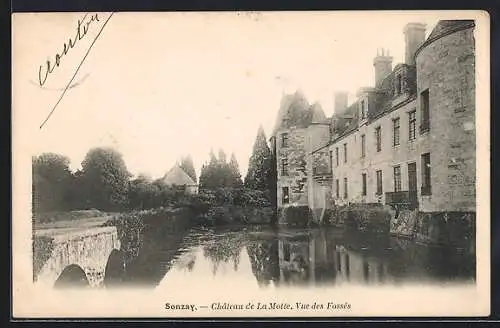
(178, 177)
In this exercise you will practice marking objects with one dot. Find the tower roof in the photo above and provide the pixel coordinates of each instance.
(293, 112)
(318, 115)
(445, 26)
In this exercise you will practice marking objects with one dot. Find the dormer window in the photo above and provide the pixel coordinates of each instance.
(363, 109)
(398, 87)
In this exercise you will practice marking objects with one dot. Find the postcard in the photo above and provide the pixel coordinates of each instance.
(250, 164)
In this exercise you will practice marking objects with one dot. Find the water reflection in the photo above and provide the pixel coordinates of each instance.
(223, 249)
(263, 256)
(314, 257)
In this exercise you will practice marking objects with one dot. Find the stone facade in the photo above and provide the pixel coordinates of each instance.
(293, 176)
(319, 171)
(446, 67)
(407, 142)
(354, 165)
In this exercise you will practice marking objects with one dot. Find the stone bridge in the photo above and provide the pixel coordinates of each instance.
(87, 255)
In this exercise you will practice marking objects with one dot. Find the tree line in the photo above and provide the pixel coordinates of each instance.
(105, 183)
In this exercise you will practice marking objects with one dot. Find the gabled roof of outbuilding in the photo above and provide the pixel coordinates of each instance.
(177, 176)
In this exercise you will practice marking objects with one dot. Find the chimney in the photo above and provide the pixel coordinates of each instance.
(382, 64)
(340, 102)
(414, 37)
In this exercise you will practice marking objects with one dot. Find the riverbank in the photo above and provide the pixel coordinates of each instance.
(456, 229)
(158, 232)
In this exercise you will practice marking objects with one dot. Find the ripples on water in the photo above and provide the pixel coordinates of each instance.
(285, 257)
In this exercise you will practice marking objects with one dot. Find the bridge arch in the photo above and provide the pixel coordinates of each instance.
(115, 269)
(73, 276)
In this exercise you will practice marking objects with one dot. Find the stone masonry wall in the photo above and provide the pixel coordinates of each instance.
(88, 249)
(296, 180)
(447, 67)
(373, 161)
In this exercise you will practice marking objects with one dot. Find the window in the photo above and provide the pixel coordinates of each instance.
(331, 159)
(412, 123)
(426, 174)
(363, 146)
(395, 132)
(379, 182)
(397, 178)
(399, 85)
(285, 195)
(363, 179)
(345, 153)
(284, 166)
(337, 155)
(345, 188)
(337, 188)
(424, 106)
(378, 138)
(286, 252)
(284, 140)
(363, 109)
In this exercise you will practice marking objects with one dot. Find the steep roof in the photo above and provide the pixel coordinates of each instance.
(445, 26)
(347, 120)
(293, 112)
(318, 115)
(177, 176)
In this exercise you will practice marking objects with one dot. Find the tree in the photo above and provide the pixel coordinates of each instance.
(77, 195)
(217, 173)
(222, 157)
(207, 176)
(188, 167)
(259, 175)
(105, 178)
(51, 182)
(213, 159)
(234, 172)
(142, 193)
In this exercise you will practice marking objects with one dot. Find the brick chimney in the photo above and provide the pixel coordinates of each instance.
(414, 37)
(382, 64)
(340, 102)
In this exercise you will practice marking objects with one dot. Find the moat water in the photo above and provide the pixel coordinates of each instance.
(262, 257)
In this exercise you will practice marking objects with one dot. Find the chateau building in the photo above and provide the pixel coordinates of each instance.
(408, 140)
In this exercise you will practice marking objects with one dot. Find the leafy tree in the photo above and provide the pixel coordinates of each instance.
(259, 175)
(105, 178)
(188, 167)
(78, 197)
(51, 182)
(142, 193)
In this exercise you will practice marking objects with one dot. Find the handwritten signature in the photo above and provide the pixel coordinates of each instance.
(81, 30)
(80, 34)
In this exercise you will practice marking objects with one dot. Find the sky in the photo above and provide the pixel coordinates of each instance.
(158, 86)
